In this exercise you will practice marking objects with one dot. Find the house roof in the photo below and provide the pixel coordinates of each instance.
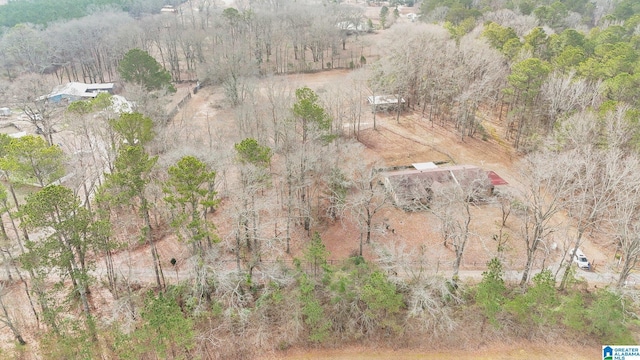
(80, 89)
(496, 179)
(168, 8)
(99, 86)
(411, 185)
(18, 135)
(384, 100)
(436, 172)
(424, 165)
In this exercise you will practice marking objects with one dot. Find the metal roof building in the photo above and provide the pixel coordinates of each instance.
(75, 91)
(411, 188)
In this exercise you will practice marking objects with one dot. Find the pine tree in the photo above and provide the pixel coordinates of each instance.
(139, 67)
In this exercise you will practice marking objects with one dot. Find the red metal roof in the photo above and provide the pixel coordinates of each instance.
(496, 179)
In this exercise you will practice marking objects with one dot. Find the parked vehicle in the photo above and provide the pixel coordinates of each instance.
(581, 260)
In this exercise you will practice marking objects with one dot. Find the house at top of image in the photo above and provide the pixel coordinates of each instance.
(169, 9)
(413, 188)
(77, 91)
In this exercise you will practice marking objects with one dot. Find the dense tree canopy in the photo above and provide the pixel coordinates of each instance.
(44, 12)
(31, 160)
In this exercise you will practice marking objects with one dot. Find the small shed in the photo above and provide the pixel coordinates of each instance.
(413, 16)
(5, 111)
(425, 165)
(352, 28)
(384, 102)
(18, 135)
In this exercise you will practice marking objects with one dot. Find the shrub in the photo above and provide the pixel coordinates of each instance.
(574, 312)
(490, 291)
(382, 299)
(537, 305)
(608, 320)
(313, 312)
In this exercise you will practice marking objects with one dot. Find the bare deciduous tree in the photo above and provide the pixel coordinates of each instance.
(453, 204)
(504, 199)
(539, 201)
(565, 93)
(24, 48)
(409, 268)
(370, 197)
(625, 221)
(89, 49)
(8, 319)
(31, 96)
(522, 24)
(598, 172)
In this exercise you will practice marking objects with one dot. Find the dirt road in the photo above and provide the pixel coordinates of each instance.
(522, 351)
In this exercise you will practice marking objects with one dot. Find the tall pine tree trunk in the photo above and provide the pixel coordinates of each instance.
(152, 246)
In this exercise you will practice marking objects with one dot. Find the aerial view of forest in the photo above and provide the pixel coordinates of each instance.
(344, 179)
